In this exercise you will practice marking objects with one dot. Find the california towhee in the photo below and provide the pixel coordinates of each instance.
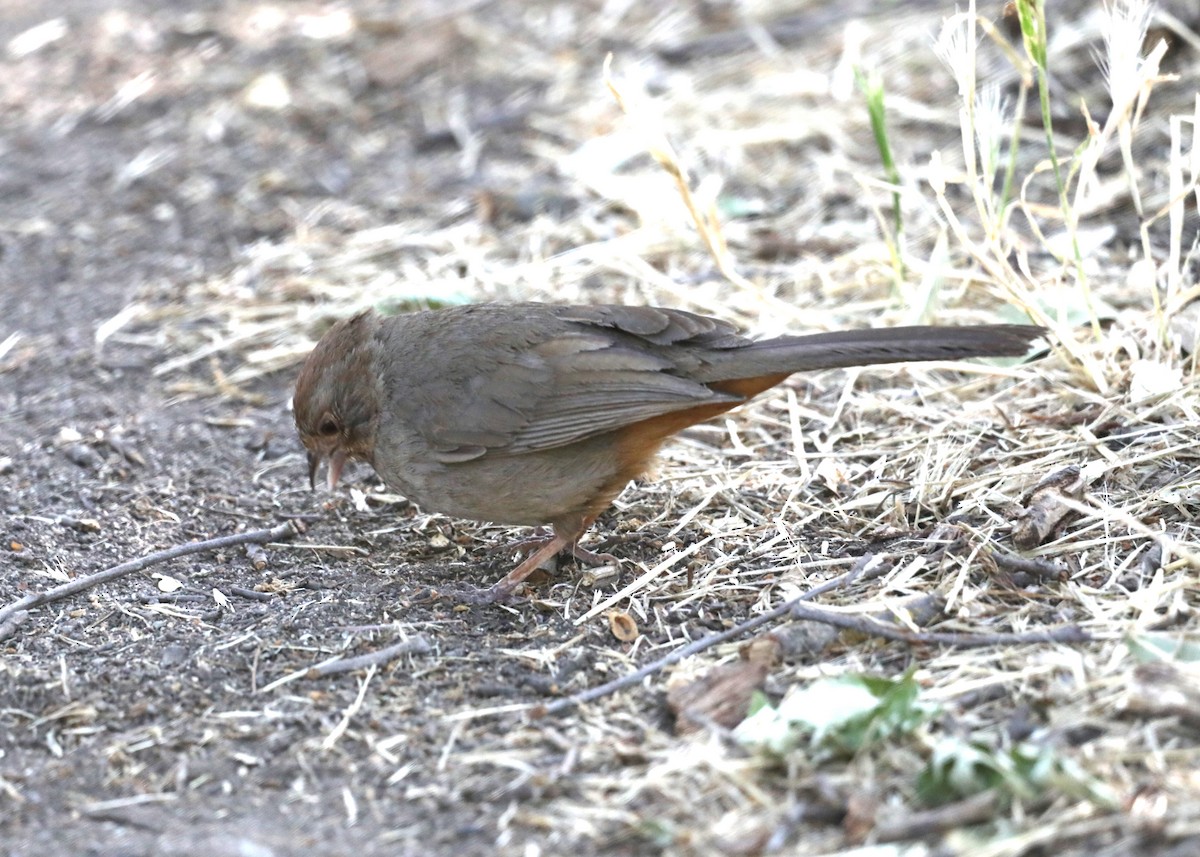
(540, 414)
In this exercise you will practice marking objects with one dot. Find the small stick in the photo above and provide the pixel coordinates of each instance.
(796, 607)
(9, 625)
(338, 731)
(1043, 569)
(250, 594)
(872, 627)
(416, 645)
(920, 825)
(9, 615)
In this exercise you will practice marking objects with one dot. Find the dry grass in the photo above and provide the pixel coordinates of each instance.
(894, 462)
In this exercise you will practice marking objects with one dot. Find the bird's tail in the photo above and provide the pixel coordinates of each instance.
(787, 354)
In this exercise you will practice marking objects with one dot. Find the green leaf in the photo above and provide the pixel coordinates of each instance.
(1154, 646)
(959, 768)
(837, 716)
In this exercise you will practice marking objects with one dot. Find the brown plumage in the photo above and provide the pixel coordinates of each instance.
(540, 414)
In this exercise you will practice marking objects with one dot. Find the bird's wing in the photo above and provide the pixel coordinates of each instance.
(578, 372)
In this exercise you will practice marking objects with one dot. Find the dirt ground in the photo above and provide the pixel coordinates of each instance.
(146, 152)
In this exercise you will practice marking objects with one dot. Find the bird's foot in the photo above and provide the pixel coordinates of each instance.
(592, 558)
(542, 537)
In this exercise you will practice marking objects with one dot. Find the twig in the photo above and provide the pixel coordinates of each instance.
(417, 645)
(174, 598)
(875, 628)
(919, 825)
(1043, 569)
(9, 617)
(338, 731)
(9, 625)
(796, 607)
(250, 594)
(867, 568)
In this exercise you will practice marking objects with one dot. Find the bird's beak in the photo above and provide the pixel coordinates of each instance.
(314, 461)
(337, 460)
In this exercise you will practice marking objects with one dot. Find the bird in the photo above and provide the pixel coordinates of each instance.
(539, 414)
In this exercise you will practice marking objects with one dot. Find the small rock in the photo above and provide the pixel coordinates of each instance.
(173, 655)
(83, 455)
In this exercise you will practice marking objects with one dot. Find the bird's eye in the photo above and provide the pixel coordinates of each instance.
(329, 426)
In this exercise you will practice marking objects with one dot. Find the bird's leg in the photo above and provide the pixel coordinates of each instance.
(506, 585)
(566, 535)
(542, 536)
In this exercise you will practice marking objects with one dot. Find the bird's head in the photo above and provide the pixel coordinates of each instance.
(336, 404)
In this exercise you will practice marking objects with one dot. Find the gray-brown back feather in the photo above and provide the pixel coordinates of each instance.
(509, 379)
